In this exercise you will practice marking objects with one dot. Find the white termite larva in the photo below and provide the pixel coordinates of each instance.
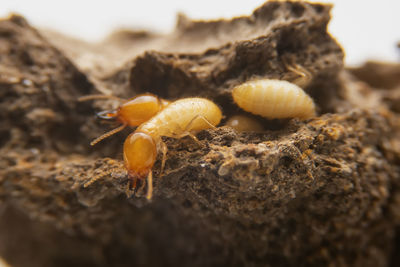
(274, 99)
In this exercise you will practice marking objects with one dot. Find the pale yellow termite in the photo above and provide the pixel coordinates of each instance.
(243, 123)
(180, 118)
(274, 99)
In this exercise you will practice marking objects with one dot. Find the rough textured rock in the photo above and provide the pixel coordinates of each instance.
(372, 72)
(319, 192)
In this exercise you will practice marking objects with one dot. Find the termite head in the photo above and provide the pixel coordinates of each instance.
(140, 153)
(132, 112)
(138, 109)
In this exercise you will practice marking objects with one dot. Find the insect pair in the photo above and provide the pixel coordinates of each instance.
(155, 118)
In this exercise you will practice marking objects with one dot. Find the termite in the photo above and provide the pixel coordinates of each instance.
(180, 118)
(274, 99)
(132, 112)
(243, 123)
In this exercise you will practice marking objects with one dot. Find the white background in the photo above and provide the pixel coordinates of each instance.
(367, 29)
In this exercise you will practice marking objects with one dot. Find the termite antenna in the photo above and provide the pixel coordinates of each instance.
(108, 134)
(97, 177)
(92, 97)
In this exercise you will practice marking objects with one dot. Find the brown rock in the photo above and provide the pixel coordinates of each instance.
(317, 192)
(378, 74)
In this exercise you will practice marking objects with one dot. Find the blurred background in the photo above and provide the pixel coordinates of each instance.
(366, 29)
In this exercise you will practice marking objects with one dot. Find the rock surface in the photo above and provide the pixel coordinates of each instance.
(319, 192)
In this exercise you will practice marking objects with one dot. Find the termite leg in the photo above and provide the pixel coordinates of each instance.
(184, 134)
(305, 75)
(149, 186)
(191, 136)
(130, 186)
(186, 131)
(107, 134)
(132, 183)
(142, 186)
(164, 149)
(198, 116)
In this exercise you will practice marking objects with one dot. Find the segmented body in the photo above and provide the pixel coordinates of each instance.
(274, 99)
(174, 120)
